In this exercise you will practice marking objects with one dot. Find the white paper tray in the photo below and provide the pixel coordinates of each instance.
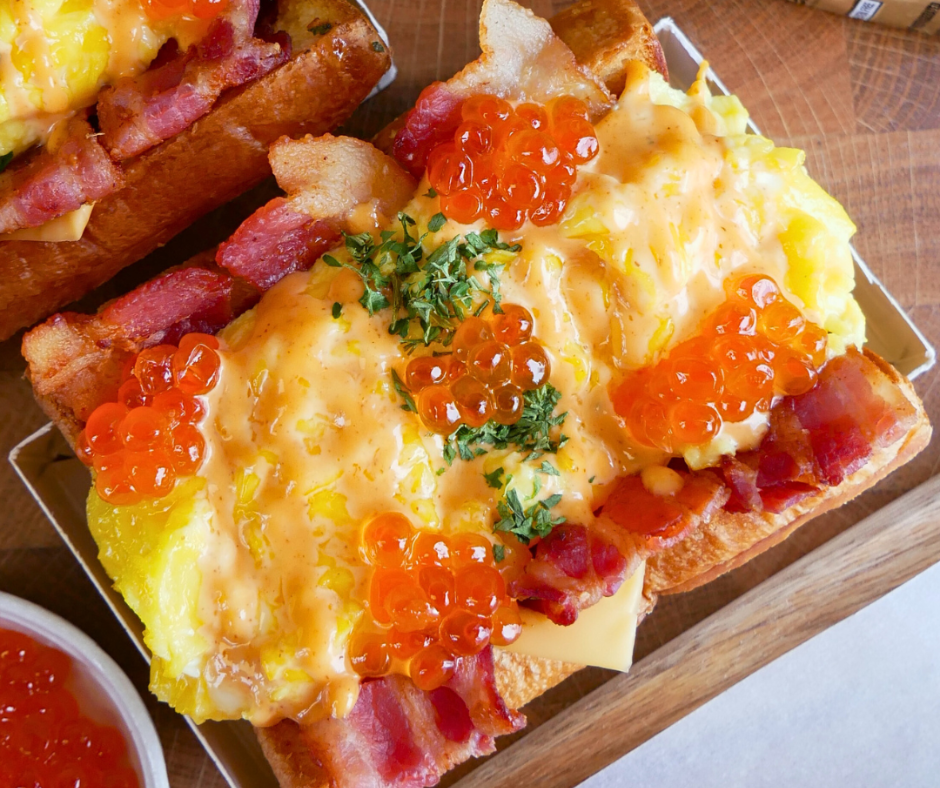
(60, 483)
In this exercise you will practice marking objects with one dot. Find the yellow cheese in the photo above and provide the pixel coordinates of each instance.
(603, 635)
(68, 227)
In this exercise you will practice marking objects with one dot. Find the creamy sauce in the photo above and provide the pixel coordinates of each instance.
(307, 438)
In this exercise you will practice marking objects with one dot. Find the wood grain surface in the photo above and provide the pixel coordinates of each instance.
(862, 100)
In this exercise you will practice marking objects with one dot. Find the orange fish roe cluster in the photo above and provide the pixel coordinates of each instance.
(140, 444)
(432, 600)
(755, 346)
(509, 164)
(201, 9)
(493, 363)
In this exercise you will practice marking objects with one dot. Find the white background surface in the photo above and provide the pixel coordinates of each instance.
(858, 706)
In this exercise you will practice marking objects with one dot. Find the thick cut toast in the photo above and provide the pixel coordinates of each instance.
(210, 163)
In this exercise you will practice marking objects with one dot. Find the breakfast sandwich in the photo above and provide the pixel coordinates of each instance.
(123, 121)
(441, 423)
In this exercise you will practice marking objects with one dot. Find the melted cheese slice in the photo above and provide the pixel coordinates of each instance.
(68, 227)
(603, 635)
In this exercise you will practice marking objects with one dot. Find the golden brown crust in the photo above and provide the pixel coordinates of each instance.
(290, 756)
(217, 158)
(521, 679)
(605, 35)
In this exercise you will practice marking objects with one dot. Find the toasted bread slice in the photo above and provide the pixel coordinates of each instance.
(210, 163)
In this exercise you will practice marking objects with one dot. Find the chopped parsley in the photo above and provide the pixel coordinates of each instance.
(499, 553)
(494, 479)
(547, 467)
(5, 159)
(377, 46)
(429, 297)
(437, 222)
(360, 248)
(435, 296)
(431, 192)
(532, 434)
(337, 309)
(404, 394)
(537, 520)
(319, 29)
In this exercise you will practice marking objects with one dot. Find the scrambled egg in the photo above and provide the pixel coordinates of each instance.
(248, 579)
(56, 55)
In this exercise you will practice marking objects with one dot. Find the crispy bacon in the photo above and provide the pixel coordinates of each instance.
(175, 303)
(563, 579)
(575, 567)
(139, 112)
(400, 737)
(475, 684)
(432, 121)
(275, 241)
(56, 179)
(815, 440)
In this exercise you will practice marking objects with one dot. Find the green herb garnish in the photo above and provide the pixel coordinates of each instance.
(403, 393)
(5, 159)
(377, 46)
(494, 479)
(499, 553)
(319, 30)
(528, 523)
(532, 434)
(547, 467)
(337, 309)
(435, 295)
(429, 297)
(436, 222)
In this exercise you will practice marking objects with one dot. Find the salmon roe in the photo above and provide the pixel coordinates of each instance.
(201, 9)
(433, 599)
(507, 164)
(493, 363)
(755, 346)
(44, 737)
(142, 443)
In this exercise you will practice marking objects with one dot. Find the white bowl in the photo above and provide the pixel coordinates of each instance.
(107, 695)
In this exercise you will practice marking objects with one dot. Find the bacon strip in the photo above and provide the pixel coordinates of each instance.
(326, 180)
(76, 360)
(175, 303)
(432, 121)
(275, 241)
(574, 566)
(400, 737)
(815, 440)
(137, 113)
(58, 178)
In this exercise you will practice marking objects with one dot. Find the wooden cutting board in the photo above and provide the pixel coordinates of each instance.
(864, 101)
